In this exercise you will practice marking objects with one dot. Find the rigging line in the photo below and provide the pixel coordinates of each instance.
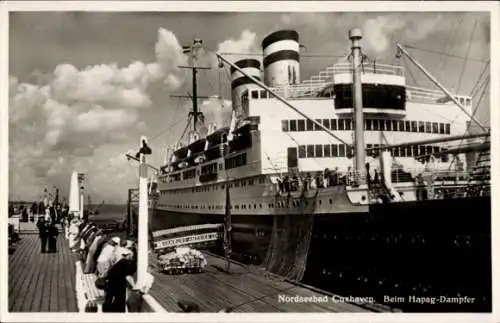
(481, 97)
(483, 82)
(448, 45)
(169, 126)
(480, 82)
(409, 71)
(483, 86)
(466, 56)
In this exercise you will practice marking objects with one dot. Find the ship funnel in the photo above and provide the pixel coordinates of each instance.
(240, 82)
(281, 58)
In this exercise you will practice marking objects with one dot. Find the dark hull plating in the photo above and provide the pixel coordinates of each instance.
(438, 248)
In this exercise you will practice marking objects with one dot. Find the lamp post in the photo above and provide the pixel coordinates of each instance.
(143, 221)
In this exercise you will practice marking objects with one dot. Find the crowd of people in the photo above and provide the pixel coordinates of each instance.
(111, 258)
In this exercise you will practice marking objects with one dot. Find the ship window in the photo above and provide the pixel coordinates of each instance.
(317, 128)
(341, 150)
(421, 150)
(388, 125)
(326, 123)
(243, 183)
(310, 151)
(428, 127)
(402, 150)
(376, 124)
(319, 150)
(414, 149)
(435, 127)
(435, 149)
(341, 124)
(284, 125)
(263, 94)
(382, 125)
(348, 123)
(255, 94)
(414, 127)
(441, 128)
(368, 124)
(428, 150)
(421, 126)
(309, 125)
(327, 152)
(394, 125)
(401, 125)
(333, 124)
(260, 205)
(293, 125)
(447, 128)
(335, 150)
(301, 125)
(302, 151)
(250, 182)
(395, 151)
(408, 151)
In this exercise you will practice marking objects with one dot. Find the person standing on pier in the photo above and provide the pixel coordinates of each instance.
(42, 233)
(53, 232)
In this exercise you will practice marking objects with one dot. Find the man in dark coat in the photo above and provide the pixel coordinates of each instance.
(42, 233)
(116, 287)
(53, 232)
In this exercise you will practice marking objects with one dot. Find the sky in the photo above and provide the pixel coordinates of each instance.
(84, 86)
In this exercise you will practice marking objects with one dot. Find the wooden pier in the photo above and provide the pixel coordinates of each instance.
(243, 289)
(41, 282)
(45, 282)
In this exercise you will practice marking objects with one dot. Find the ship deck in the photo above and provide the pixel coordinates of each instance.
(41, 282)
(243, 289)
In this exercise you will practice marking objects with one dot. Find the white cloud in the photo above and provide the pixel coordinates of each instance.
(80, 115)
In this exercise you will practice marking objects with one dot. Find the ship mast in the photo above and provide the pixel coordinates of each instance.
(359, 134)
(194, 49)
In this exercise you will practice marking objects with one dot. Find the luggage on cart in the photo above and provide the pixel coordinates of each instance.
(182, 260)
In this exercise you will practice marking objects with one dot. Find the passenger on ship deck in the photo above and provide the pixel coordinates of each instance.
(73, 232)
(105, 257)
(376, 179)
(286, 184)
(312, 183)
(326, 178)
(116, 287)
(368, 175)
(307, 182)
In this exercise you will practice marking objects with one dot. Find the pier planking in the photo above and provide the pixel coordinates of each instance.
(242, 288)
(41, 282)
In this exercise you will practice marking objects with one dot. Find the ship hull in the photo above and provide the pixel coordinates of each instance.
(434, 248)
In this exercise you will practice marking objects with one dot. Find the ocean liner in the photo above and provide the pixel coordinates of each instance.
(352, 181)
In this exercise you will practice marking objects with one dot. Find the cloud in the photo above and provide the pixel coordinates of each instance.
(246, 43)
(70, 114)
(379, 32)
